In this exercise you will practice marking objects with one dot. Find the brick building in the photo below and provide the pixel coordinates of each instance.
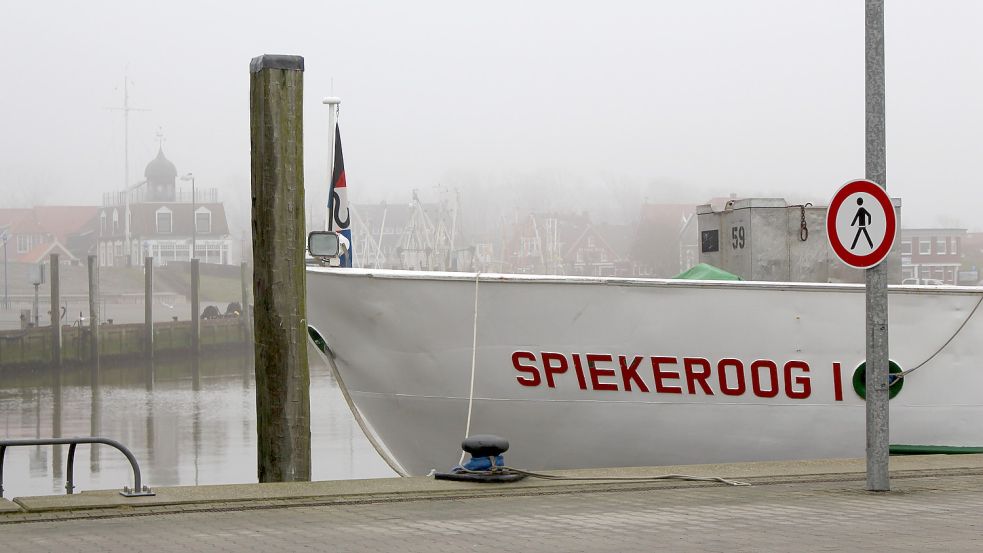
(935, 254)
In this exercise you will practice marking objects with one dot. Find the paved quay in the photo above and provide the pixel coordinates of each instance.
(936, 504)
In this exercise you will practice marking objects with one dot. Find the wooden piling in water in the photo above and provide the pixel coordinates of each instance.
(247, 326)
(282, 375)
(55, 313)
(195, 308)
(94, 312)
(148, 306)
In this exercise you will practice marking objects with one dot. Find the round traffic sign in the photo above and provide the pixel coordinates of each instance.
(861, 224)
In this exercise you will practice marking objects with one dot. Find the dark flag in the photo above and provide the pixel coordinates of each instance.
(338, 216)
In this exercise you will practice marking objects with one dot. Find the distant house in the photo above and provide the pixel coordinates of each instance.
(936, 254)
(156, 219)
(413, 236)
(972, 248)
(664, 244)
(565, 244)
(38, 231)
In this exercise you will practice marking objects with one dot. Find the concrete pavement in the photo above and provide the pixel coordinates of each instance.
(936, 505)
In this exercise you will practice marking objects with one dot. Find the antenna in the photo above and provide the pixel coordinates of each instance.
(126, 109)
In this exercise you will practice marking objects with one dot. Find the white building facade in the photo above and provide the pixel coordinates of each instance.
(156, 219)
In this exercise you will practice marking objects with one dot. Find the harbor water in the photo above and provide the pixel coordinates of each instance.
(187, 423)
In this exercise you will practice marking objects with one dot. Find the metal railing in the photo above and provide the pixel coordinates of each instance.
(138, 488)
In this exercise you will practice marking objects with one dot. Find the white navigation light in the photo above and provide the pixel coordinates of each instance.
(323, 244)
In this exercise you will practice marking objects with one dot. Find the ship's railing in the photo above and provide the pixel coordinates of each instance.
(138, 488)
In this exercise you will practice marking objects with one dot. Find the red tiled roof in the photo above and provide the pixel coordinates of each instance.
(40, 253)
(65, 220)
(58, 221)
(19, 221)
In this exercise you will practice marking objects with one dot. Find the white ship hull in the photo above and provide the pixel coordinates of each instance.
(683, 371)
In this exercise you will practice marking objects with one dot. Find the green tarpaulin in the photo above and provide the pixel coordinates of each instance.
(706, 272)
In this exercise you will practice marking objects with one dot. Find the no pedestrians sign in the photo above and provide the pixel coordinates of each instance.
(861, 224)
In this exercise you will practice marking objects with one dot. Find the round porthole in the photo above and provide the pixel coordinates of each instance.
(860, 380)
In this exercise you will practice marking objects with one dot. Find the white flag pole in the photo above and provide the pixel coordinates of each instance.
(334, 104)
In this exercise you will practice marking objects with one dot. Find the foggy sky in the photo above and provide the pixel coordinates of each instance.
(673, 101)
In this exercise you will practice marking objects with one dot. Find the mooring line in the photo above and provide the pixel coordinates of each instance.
(943, 346)
(474, 356)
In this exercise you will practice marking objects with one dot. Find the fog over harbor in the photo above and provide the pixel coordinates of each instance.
(535, 138)
(548, 106)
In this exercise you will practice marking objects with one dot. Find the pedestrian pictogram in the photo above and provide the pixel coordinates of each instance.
(861, 224)
(862, 220)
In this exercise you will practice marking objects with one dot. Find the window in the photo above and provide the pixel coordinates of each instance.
(164, 225)
(23, 243)
(940, 245)
(203, 221)
(906, 246)
(115, 222)
(955, 241)
(102, 223)
(924, 247)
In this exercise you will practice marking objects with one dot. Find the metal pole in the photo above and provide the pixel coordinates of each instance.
(70, 478)
(878, 438)
(194, 220)
(126, 170)
(334, 105)
(6, 280)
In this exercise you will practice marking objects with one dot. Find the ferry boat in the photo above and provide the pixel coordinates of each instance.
(581, 372)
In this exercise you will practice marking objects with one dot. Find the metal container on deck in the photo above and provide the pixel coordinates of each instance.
(767, 239)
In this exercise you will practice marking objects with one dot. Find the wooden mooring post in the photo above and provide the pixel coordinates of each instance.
(148, 307)
(94, 314)
(195, 308)
(282, 376)
(247, 324)
(55, 313)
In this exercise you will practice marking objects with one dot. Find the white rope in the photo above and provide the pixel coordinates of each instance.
(942, 347)
(368, 431)
(474, 357)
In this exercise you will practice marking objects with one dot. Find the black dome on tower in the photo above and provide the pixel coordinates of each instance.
(161, 175)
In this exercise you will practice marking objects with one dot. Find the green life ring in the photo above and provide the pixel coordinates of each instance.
(860, 380)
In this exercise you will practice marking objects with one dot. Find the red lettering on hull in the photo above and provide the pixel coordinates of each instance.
(597, 372)
(629, 373)
(594, 371)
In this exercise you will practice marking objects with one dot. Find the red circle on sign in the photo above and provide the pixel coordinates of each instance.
(879, 253)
